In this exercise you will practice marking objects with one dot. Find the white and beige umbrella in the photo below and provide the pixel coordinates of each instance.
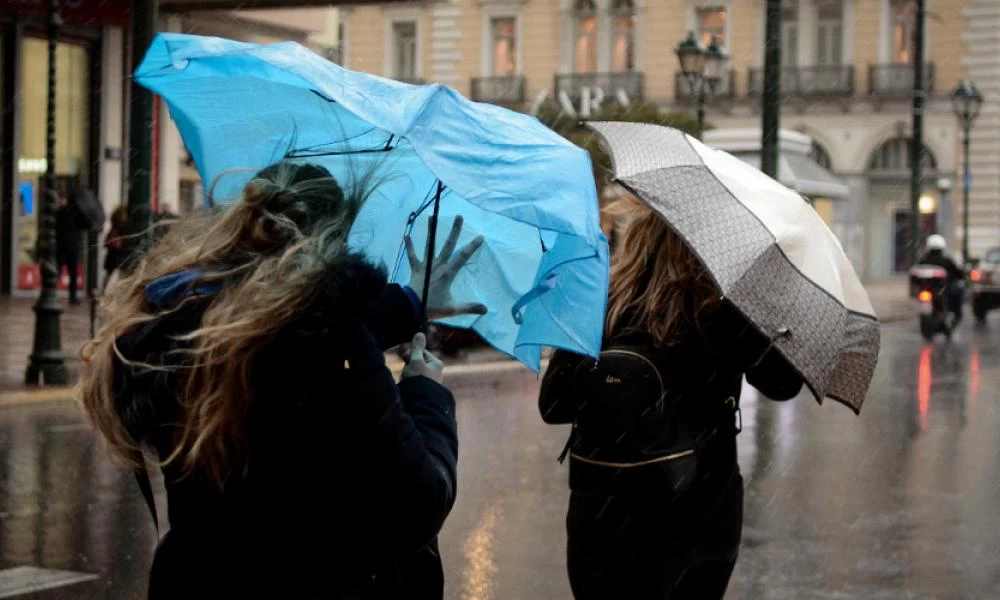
(768, 251)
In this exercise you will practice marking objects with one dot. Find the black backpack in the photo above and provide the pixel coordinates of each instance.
(627, 433)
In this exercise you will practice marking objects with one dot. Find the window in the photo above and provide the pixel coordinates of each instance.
(790, 33)
(829, 33)
(711, 24)
(341, 43)
(894, 156)
(623, 46)
(585, 50)
(404, 55)
(504, 42)
(903, 30)
(821, 156)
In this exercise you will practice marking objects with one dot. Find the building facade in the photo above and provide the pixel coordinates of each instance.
(178, 187)
(847, 77)
(90, 87)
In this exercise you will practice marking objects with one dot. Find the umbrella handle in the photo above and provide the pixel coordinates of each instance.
(431, 246)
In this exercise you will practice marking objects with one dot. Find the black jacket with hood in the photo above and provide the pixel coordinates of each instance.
(350, 476)
(703, 374)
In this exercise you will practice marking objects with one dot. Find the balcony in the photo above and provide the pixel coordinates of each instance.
(896, 80)
(725, 91)
(814, 81)
(499, 90)
(608, 84)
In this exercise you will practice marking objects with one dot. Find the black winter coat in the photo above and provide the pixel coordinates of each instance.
(350, 476)
(666, 529)
(702, 373)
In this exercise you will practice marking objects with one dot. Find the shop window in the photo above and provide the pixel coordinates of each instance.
(72, 137)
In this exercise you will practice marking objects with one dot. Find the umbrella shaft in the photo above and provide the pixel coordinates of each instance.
(431, 243)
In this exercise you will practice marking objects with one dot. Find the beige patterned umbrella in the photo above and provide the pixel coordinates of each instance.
(768, 251)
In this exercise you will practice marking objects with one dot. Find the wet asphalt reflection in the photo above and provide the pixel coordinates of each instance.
(902, 502)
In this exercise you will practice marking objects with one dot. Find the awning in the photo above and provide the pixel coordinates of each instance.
(802, 174)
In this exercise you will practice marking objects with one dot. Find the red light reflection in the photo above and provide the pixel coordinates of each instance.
(974, 376)
(925, 378)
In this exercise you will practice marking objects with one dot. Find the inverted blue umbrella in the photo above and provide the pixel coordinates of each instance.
(543, 269)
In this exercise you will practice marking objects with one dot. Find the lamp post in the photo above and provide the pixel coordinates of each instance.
(140, 128)
(46, 364)
(966, 101)
(703, 68)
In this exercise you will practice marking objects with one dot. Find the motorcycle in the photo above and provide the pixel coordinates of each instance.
(929, 286)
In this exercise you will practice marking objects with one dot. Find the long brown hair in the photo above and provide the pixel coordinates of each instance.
(272, 248)
(657, 284)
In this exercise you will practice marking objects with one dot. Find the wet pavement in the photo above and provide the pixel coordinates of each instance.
(902, 502)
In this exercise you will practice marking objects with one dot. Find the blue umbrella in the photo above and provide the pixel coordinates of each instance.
(542, 271)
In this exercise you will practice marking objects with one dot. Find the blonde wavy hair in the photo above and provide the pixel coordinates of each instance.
(657, 284)
(272, 249)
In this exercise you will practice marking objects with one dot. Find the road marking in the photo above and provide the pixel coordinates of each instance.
(26, 580)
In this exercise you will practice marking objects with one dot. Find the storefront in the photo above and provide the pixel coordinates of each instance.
(78, 121)
(889, 207)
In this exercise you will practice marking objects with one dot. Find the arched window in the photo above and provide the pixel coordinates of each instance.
(893, 156)
(585, 25)
(623, 47)
(821, 156)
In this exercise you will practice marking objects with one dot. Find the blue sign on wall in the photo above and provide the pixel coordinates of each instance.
(27, 190)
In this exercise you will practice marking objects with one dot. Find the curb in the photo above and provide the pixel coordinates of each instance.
(45, 394)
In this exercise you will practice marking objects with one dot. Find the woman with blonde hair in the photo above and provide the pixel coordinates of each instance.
(246, 354)
(656, 502)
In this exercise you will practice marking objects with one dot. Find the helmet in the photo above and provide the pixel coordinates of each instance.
(936, 242)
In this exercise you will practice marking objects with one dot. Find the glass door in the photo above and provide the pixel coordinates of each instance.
(72, 145)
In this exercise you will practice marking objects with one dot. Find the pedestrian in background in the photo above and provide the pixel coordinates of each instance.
(246, 352)
(70, 225)
(114, 244)
(163, 220)
(656, 501)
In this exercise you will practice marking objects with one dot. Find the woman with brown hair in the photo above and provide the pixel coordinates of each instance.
(656, 502)
(246, 353)
(114, 244)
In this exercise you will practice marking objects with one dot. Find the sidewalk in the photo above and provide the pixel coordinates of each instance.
(17, 322)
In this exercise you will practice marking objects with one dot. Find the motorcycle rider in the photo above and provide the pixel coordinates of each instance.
(934, 255)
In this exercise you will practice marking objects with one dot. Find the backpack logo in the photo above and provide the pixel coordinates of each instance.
(611, 379)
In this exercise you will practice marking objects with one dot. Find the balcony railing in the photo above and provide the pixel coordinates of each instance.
(499, 90)
(631, 83)
(896, 80)
(811, 81)
(725, 91)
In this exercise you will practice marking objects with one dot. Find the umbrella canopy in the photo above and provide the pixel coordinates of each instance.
(543, 268)
(768, 251)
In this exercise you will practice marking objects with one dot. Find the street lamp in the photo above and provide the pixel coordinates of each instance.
(46, 364)
(703, 68)
(966, 101)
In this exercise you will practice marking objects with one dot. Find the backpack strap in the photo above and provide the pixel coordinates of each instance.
(145, 486)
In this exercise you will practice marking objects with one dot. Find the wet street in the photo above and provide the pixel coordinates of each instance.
(902, 502)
